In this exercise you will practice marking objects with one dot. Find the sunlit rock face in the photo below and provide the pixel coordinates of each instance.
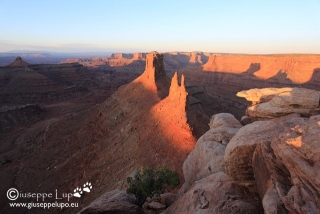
(239, 151)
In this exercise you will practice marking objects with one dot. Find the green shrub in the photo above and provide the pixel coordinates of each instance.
(149, 182)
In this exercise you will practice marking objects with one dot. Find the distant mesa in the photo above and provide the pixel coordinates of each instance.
(172, 60)
(18, 62)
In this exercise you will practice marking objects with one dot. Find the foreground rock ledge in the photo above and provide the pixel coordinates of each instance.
(277, 102)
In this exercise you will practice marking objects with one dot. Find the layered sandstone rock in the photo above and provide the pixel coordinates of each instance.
(271, 177)
(277, 158)
(286, 169)
(239, 151)
(298, 150)
(275, 102)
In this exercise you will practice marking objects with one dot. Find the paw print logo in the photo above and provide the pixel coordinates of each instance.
(87, 187)
(77, 192)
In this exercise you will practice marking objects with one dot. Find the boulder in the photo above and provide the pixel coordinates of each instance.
(116, 201)
(205, 159)
(156, 205)
(207, 156)
(223, 127)
(216, 194)
(224, 120)
(168, 199)
(245, 120)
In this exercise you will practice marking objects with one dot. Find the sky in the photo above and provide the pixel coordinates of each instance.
(220, 26)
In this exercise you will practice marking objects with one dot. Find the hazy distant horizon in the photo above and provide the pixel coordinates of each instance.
(247, 27)
(109, 53)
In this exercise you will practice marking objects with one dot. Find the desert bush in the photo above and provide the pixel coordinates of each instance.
(149, 183)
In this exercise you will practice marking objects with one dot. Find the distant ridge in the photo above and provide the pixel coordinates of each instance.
(18, 62)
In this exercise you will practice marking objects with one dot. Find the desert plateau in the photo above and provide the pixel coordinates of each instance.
(171, 107)
(77, 121)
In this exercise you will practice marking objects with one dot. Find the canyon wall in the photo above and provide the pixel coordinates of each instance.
(298, 68)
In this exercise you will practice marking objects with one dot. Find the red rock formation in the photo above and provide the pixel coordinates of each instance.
(154, 68)
(154, 77)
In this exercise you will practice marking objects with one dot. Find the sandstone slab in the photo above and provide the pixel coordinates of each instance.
(261, 95)
(156, 205)
(216, 194)
(272, 179)
(282, 101)
(116, 201)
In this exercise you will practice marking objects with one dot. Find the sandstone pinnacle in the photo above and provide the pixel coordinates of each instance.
(154, 65)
